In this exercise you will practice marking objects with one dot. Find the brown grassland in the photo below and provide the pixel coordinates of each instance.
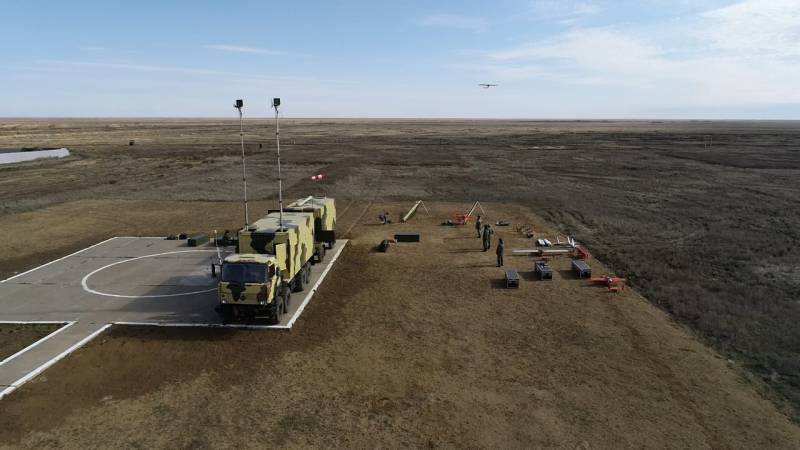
(418, 346)
(15, 337)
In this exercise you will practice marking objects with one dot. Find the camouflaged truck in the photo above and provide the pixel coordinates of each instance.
(271, 263)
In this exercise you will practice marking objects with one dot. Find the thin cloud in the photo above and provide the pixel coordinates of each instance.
(756, 25)
(453, 21)
(133, 67)
(745, 55)
(593, 46)
(242, 49)
(563, 12)
(94, 49)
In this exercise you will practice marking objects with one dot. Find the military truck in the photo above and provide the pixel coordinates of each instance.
(272, 262)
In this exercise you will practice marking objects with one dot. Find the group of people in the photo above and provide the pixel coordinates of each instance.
(485, 231)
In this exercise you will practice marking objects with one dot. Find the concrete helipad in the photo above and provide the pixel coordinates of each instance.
(123, 280)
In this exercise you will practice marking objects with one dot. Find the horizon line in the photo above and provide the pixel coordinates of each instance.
(519, 119)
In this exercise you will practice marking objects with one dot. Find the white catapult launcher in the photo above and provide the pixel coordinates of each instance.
(462, 219)
(569, 242)
(560, 248)
(477, 204)
(411, 212)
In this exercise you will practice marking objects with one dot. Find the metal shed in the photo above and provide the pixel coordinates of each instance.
(543, 270)
(581, 268)
(512, 278)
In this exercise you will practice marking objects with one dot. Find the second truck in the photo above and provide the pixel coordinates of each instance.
(274, 259)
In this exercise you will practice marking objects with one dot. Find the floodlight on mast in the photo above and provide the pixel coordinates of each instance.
(238, 105)
(275, 103)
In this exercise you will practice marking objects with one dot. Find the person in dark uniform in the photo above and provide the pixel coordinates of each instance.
(487, 237)
(478, 226)
(500, 248)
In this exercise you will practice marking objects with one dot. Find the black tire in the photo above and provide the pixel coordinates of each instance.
(297, 283)
(281, 297)
(225, 313)
(276, 319)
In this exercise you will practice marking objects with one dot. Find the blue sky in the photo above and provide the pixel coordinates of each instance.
(551, 59)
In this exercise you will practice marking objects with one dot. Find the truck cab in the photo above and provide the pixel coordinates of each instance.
(251, 286)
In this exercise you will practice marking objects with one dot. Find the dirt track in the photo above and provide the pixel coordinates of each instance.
(394, 350)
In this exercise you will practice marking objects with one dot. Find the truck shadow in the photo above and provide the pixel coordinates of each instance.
(569, 274)
(158, 333)
(498, 283)
(467, 250)
(165, 303)
(529, 276)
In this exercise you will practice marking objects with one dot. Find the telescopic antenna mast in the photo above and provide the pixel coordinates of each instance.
(238, 105)
(275, 103)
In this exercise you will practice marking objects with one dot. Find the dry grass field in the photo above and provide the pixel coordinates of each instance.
(15, 337)
(417, 347)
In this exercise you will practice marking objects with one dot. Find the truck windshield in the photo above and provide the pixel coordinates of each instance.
(244, 273)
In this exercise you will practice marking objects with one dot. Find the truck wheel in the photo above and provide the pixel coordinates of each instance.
(278, 312)
(225, 313)
(300, 285)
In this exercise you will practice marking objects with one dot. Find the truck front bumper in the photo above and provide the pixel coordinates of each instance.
(247, 311)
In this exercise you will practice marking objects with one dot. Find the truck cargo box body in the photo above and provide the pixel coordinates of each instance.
(292, 247)
(324, 210)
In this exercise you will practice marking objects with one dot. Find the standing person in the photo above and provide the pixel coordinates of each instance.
(487, 237)
(500, 248)
(478, 227)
